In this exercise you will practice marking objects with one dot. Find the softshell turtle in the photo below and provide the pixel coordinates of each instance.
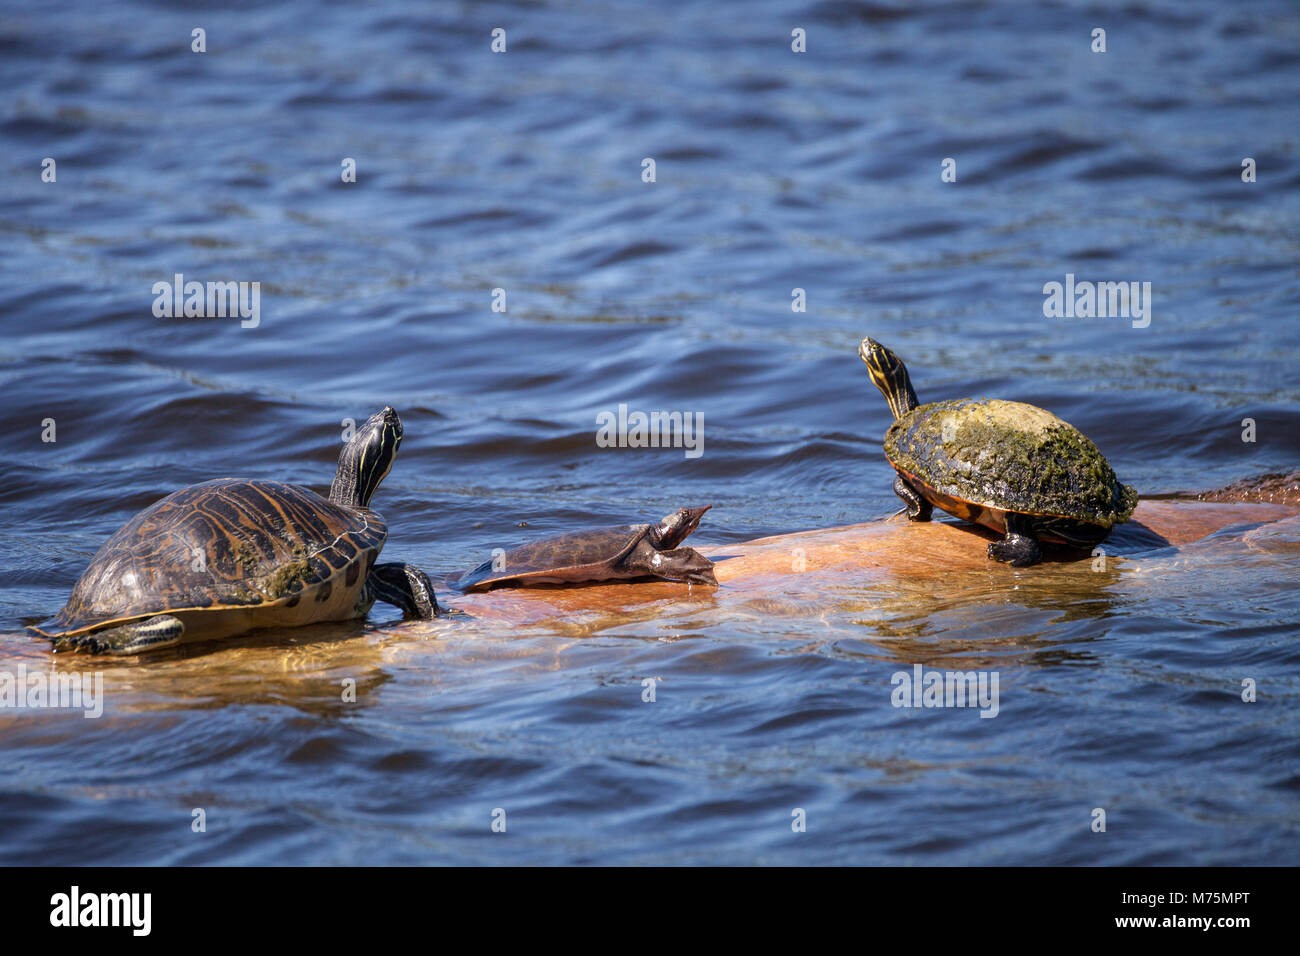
(222, 557)
(604, 554)
(1012, 467)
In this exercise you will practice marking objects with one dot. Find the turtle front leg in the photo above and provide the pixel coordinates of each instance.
(149, 635)
(1019, 548)
(918, 509)
(680, 564)
(405, 586)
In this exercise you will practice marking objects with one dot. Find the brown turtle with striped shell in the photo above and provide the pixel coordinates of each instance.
(604, 554)
(226, 556)
(1012, 467)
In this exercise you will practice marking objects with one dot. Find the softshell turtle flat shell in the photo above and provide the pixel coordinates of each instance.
(604, 554)
(564, 558)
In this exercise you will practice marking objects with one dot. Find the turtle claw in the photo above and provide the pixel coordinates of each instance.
(1016, 550)
(84, 643)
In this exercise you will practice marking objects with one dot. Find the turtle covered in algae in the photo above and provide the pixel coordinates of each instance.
(1014, 468)
(225, 556)
(603, 554)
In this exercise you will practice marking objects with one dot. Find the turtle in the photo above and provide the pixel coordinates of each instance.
(222, 557)
(1014, 468)
(602, 554)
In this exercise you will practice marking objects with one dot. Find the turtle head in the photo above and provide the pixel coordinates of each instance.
(890, 376)
(366, 459)
(676, 527)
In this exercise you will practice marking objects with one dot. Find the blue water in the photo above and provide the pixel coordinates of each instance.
(774, 170)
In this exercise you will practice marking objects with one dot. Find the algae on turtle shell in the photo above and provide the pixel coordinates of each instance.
(1009, 455)
(283, 579)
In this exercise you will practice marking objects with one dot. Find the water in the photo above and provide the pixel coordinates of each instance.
(775, 171)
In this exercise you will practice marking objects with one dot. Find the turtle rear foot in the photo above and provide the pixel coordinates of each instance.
(918, 509)
(149, 635)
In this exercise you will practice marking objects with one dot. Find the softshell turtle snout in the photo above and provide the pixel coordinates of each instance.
(693, 515)
(676, 527)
